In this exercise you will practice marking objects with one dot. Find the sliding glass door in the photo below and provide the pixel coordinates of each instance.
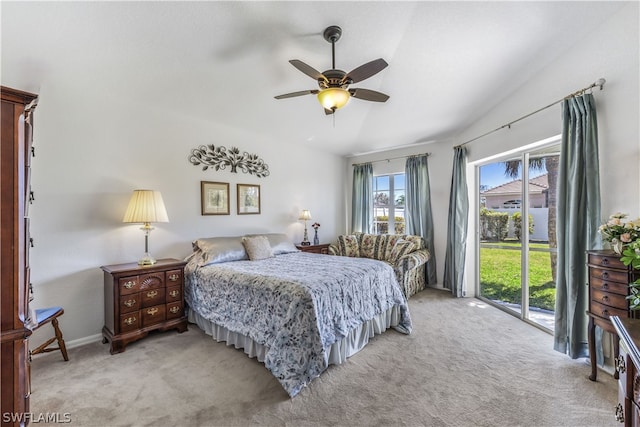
(516, 217)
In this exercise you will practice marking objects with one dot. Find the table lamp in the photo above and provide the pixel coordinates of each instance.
(305, 216)
(146, 206)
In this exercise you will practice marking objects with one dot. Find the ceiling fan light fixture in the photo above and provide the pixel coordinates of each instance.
(333, 98)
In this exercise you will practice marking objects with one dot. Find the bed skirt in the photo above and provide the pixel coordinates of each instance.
(337, 354)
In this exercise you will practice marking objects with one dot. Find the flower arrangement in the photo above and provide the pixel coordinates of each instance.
(315, 225)
(619, 231)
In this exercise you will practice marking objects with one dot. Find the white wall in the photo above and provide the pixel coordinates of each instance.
(610, 51)
(94, 148)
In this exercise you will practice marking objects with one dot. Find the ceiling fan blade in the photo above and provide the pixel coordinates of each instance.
(365, 71)
(308, 70)
(299, 93)
(368, 95)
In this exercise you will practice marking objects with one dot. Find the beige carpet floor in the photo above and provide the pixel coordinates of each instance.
(465, 364)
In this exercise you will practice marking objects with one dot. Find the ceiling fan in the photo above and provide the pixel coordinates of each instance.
(334, 92)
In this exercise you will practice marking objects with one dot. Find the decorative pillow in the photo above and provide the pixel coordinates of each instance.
(257, 247)
(391, 242)
(280, 243)
(348, 245)
(417, 240)
(401, 248)
(373, 246)
(218, 249)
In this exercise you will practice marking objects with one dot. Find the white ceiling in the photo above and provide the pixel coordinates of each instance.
(449, 62)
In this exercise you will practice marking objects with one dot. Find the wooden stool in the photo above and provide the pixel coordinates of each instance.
(44, 316)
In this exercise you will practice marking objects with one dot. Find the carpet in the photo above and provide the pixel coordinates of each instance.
(465, 364)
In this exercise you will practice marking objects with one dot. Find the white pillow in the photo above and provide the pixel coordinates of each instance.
(280, 243)
(219, 249)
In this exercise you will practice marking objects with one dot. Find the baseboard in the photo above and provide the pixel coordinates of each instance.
(83, 341)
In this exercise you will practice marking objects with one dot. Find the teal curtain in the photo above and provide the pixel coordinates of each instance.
(578, 222)
(419, 220)
(457, 226)
(362, 198)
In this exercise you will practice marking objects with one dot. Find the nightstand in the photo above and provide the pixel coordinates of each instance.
(316, 249)
(139, 299)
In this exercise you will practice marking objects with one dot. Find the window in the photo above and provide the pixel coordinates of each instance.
(388, 204)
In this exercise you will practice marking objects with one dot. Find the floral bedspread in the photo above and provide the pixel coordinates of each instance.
(295, 304)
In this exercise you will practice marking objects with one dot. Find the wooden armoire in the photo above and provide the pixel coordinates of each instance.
(15, 167)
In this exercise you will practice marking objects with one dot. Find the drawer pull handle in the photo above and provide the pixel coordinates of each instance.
(619, 413)
(152, 294)
(130, 320)
(605, 261)
(174, 293)
(174, 277)
(605, 274)
(130, 303)
(152, 311)
(174, 309)
(605, 298)
(129, 284)
(605, 313)
(620, 365)
(605, 286)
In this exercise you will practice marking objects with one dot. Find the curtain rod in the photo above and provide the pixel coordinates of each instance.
(392, 158)
(600, 82)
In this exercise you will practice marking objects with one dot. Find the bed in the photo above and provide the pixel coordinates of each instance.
(296, 312)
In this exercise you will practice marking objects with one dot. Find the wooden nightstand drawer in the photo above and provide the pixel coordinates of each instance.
(152, 280)
(174, 277)
(174, 310)
(174, 293)
(606, 261)
(130, 322)
(142, 298)
(315, 249)
(129, 285)
(129, 303)
(607, 286)
(153, 315)
(610, 299)
(605, 311)
(153, 296)
(610, 275)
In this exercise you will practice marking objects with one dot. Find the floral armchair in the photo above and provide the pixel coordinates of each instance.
(405, 253)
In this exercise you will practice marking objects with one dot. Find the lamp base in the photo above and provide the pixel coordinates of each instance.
(147, 259)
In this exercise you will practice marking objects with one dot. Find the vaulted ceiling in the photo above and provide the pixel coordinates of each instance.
(449, 62)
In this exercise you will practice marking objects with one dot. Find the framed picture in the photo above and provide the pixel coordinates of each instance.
(248, 199)
(214, 198)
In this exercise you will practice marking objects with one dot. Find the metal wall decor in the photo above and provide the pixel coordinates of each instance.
(219, 158)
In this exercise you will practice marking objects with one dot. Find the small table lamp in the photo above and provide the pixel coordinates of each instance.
(146, 206)
(305, 215)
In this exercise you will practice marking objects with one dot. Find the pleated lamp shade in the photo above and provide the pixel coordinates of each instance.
(146, 206)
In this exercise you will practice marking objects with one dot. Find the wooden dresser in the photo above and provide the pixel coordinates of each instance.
(608, 285)
(627, 410)
(316, 249)
(139, 299)
(15, 196)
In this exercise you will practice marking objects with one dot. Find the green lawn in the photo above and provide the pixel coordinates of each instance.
(500, 275)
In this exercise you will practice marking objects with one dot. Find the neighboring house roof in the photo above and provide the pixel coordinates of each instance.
(536, 185)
